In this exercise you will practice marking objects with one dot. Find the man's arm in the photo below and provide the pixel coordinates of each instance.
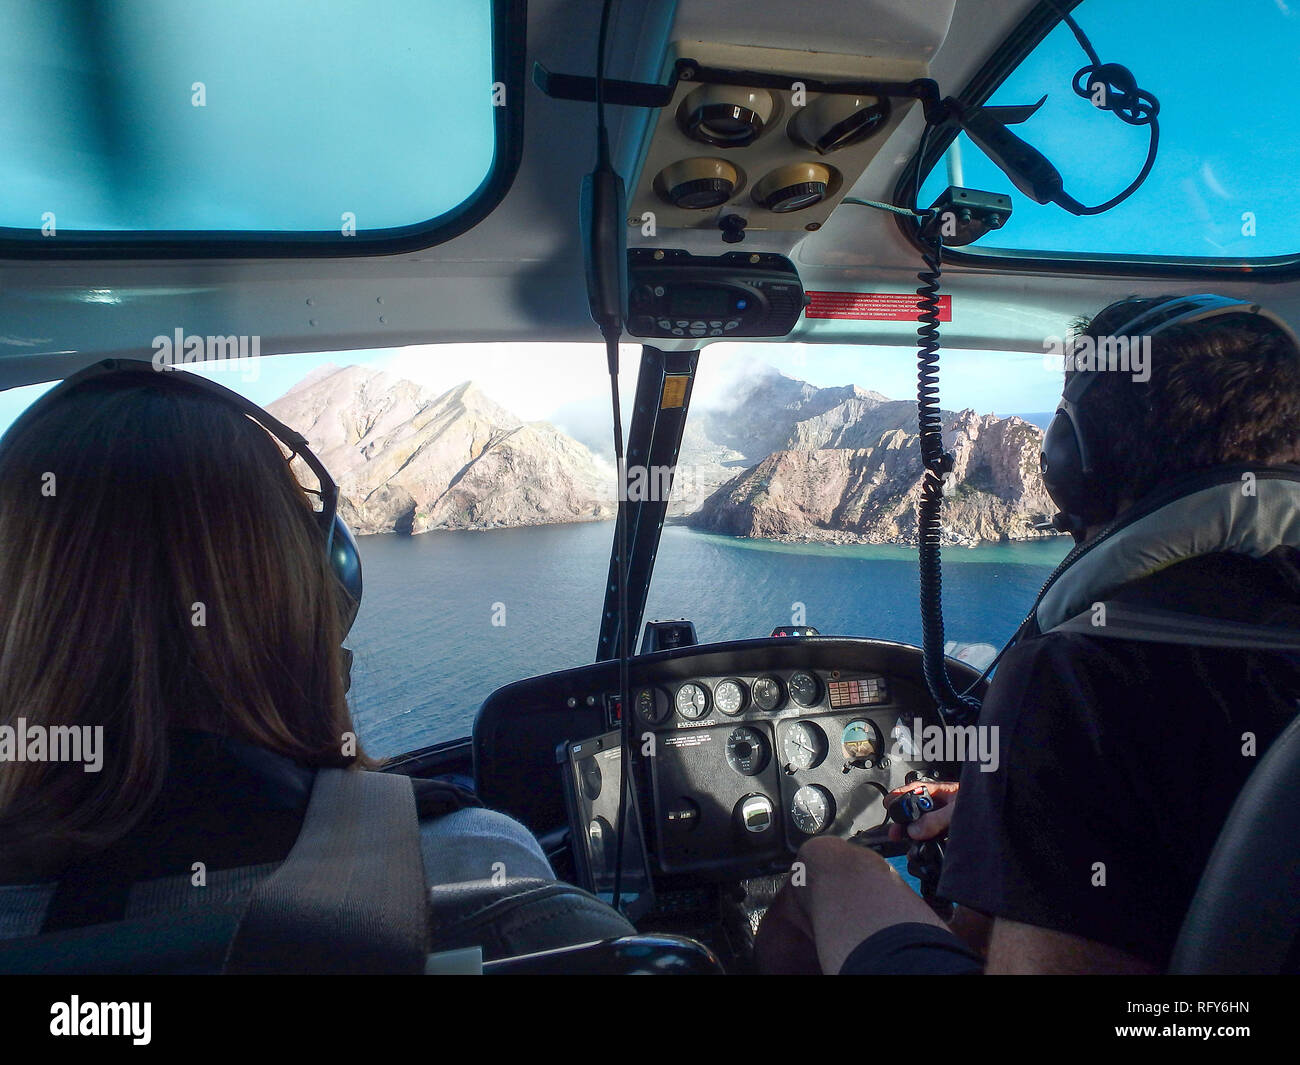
(970, 926)
(1020, 949)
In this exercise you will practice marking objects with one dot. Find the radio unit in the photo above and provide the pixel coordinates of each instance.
(739, 294)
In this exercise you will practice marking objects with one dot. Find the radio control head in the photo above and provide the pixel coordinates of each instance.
(674, 293)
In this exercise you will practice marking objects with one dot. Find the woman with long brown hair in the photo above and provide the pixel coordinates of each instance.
(171, 669)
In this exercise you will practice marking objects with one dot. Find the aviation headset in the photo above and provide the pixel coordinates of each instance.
(1070, 458)
(340, 547)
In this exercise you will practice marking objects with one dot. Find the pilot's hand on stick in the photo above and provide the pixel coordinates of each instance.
(933, 825)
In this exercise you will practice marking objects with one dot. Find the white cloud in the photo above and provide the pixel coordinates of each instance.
(530, 380)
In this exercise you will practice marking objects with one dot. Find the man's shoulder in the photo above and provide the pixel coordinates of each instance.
(1055, 660)
(1067, 687)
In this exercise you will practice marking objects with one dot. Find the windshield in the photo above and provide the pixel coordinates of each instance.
(805, 465)
(479, 479)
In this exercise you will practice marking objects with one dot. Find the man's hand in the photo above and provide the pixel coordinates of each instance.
(933, 825)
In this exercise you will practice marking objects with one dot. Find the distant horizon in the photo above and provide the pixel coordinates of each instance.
(567, 385)
(588, 424)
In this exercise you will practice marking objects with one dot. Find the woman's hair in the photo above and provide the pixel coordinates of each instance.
(1219, 391)
(160, 569)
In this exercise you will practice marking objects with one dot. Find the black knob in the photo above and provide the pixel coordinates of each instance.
(733, 228)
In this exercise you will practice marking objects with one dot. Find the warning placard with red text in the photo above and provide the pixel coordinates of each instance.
(871, 306)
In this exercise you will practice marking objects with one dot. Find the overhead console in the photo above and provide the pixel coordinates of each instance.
(742, 750)
(777, 156)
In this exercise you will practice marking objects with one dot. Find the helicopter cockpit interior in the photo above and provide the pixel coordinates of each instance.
(943, 187)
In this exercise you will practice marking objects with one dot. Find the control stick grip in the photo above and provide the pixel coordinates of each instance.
(911, 806)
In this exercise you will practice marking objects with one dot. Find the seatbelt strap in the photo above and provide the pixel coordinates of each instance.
(351, 897)
(1150, 625)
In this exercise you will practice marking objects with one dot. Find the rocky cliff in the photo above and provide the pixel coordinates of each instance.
(407, 460)
(845, 468)
(780, 459)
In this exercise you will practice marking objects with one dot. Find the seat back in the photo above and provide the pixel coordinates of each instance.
(349, 897)
(1245, 915)
(176, 944)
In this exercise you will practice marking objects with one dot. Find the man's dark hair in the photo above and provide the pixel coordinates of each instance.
(1220, 391)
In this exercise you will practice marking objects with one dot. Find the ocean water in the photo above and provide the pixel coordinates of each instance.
(447, 617)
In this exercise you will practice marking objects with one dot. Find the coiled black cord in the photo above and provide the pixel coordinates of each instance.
(1123, 98)
(954, 706)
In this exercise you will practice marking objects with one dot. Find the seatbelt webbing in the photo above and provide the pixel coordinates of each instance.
(351, 896)
(1150, 625)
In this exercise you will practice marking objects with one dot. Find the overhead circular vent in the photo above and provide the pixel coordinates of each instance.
(698, 184)
(833, 122)
(794, 187)
(725, 116)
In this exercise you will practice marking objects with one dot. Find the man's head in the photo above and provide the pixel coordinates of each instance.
(1220, 386)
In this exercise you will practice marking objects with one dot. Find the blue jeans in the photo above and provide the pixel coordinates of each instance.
(476, 844)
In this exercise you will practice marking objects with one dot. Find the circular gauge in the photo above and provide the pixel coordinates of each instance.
(804, 745)
(692, 701)
(591, 778)
(812, 808)
(768, 694)
(805, 689)
(859, 742)
(652, 705)
(729, 696)
(746, 751)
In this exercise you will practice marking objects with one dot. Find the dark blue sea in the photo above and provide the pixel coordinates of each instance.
(427, 651)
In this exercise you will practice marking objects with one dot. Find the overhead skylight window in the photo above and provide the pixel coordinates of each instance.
(293, 123)
(1222, 190)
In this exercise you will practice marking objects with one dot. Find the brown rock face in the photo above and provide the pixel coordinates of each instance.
(783, 460)
(849, 471)
(407, 460)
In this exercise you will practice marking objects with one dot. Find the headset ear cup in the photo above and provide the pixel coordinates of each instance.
(1062, 466)
(1086, 498)
(345, 563)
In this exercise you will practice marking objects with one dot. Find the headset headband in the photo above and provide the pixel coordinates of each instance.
(1182, 310)
(294, 441)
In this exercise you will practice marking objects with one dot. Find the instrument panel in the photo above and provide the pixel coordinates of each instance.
(742, 751)
(744, 768)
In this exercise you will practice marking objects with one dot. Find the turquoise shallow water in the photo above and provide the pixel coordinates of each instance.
(449, 616)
